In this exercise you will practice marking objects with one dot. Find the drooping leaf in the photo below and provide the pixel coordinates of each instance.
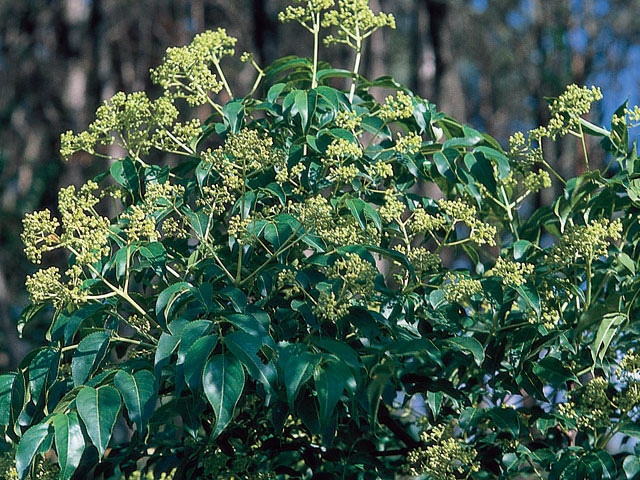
(69, 442)
(38, 439)
(223, 382)
(42, 371)
(195, 359)
(296, 363)
(139, 393)
(90, 352)
(98, 408)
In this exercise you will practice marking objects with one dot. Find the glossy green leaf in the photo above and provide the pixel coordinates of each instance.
(631, 467)
(98, 408)
(195, 359)
(330, 381)
(90, 352)
(38, 439)
(124, 172)
(296, 364)
(69, 442)
(467, 345)
(246, 347)
(604, 335)
(223, 381)
(42, 371)
(139, 394)
(7, 381)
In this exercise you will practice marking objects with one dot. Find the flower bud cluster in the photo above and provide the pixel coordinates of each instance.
(46, 285)
(379, 170)
(398, 108)
(590, 407)
(511, 273)
(586, 242)
(409, 144)
(567, 109)
(392, 208)
(329, 307)
(458, 288)
(305, 13)
(133, 118)
(356, 274)
(421, 222)
(458, 211)
(287, 283)
(445, 457)
(343, 173)
(39, 234)
(533, 182)
(348, 120)
(339, 149)
(140, 219)
(252, 150)
(356, 21)
(423, 260)
(185, 71)
(239, 228)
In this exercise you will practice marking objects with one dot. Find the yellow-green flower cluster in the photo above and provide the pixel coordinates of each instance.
(140, 219)
(341, 148)
(348, 120)
(423, 260)
(178, 137)
(343, 173)
(379, 170)
(445, 457)
(308, 11)
(185, 71)
(567, 109)
(421, 222)
(174, 228)
(586, 242)
(132, 117)
(84, 232)
(8, 467)
(392, 208)
(533, 182)
(287, 283)
(458, 288)
(329, 307)
(458, 211)
(39, 234)
(356, 21)
(45, 285)
(511, 273)
(396, 108)
(356, 273)
(252, 150)
(239, 228)
(591, 407)
(408, 144)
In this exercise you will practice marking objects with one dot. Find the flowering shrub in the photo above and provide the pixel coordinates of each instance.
(269, 293)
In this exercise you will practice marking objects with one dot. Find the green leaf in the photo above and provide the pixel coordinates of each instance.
(246, 347)
(380, 375)
(139, 394)
(393, 255)
(167, 344)
(98, 408)
(195, 359)
(434, 400)
(301, 101)
(90, 352)
(69, 442)
(599, 465)
(506, 419)
(594, 130)
(124, 172)
(42, 371)
(553, 371)
(28, 314)
(356, 206)
(6, 387)
(156, 255)
(467, 345)
(223, 382)
(274, 92)
(233, 112)
(38, 439)
(330, 381)
(163, 302)
(605, 334)
(297, 364)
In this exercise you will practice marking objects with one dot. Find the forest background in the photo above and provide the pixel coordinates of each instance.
(488, 63)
